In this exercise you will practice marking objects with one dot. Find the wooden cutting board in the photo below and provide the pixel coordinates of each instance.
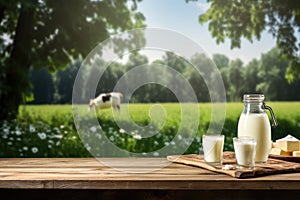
(273, 166)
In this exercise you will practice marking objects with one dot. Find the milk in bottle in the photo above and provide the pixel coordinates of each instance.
(254, 122)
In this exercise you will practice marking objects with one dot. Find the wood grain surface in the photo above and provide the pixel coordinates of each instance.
(128, 174)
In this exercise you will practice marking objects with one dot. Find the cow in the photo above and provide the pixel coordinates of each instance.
(107, 100)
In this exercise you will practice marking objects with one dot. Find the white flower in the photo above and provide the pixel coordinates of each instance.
(87, 146)
(34, 150)
(57, 136)
(93, 129)
(122, 131)
(18, 132)
(50, 141)
(179, 137)
(31, 128)
(155, 154)
(56, 129)
(99, 136)
(137, 136)
(42, 136)
(6, 131)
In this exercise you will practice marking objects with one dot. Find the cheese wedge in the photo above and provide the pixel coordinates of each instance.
(280, 152)
(288, 146)
(296, 153)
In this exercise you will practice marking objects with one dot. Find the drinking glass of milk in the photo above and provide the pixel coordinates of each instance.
(244, 149)
(213, 148)
(254, 122)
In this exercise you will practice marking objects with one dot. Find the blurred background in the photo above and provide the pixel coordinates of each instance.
(255, 46)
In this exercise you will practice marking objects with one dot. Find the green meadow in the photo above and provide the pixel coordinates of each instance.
(50, 131)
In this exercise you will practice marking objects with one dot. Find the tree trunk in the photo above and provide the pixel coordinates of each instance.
(17, 68)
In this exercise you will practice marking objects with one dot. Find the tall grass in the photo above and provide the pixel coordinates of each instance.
(49, 130)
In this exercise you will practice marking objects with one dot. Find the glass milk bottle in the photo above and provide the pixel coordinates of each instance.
(254, 122)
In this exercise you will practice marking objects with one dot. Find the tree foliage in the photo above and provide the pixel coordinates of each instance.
(264, 75)
(42, 86)
(236, 19)
(45, 33)
(221, 60)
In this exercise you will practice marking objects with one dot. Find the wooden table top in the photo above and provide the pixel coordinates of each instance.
(128, 173)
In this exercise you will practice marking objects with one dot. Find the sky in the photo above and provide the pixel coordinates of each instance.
(182, 17)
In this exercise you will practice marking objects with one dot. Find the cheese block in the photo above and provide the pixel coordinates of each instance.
(288, 146)
(296, 153)
(280, 152)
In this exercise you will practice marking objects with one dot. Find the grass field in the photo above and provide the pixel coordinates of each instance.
(49, 130)
(289, 110)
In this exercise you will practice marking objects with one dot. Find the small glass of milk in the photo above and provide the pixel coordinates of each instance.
(213, 148)
(245, 150)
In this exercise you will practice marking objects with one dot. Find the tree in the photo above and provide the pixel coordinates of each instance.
(37, 33)
(64, 81)
(226, 80)
(221, 60)
(174, 61)
(211, 76)
(236, 78)
(271, 73)
(110, 78)
(134, 60)
(236, 19)
(198, 84)
(251, 76)
(200, 78)
(42, 86)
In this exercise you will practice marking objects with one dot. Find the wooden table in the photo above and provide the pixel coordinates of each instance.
(82, 178)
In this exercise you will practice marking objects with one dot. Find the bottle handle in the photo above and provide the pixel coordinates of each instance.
(274, 124)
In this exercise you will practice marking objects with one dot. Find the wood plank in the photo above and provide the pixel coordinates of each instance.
(89, 173)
